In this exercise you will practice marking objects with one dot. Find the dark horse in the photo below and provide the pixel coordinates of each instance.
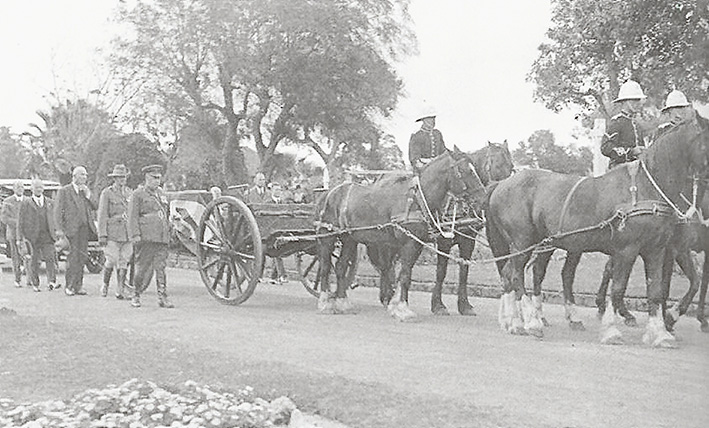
(368, 215)
(624, 213)
(688, 236)
(493, 163)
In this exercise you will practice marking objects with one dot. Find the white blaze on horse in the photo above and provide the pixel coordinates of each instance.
(628, 212)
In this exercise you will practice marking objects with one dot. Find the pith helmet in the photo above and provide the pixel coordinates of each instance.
(426, 111)
(630, 90)
(675, 99)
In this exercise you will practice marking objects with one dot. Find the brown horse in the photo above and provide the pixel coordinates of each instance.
(385, 214)
(493, 163)
(688, 236)
(625, 213)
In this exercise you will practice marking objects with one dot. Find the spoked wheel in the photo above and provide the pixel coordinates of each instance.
(308, 268)
(230, 252)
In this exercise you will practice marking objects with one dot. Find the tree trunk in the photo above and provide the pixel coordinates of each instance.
(233, 163)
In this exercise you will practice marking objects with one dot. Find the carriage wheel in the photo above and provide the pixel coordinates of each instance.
(308, 268)
(230, 252)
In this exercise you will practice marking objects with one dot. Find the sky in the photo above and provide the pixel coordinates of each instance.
(472, 66)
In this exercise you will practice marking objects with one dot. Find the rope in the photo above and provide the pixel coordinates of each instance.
(679, 212)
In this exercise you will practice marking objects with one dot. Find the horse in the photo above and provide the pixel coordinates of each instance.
(394, 214)
(493, 163)
(627, 212)
(688, 236)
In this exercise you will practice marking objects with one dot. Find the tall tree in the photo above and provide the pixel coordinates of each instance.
(13, 154)
(541, 151)
(595, 45)
(273, 70)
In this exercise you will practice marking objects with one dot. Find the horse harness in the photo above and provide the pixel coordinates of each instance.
(660, 208)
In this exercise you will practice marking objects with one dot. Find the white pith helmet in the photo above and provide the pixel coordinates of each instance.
(630, 90)
(675, 99)
(426, 111)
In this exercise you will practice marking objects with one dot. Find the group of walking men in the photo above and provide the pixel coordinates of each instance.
(132, 225)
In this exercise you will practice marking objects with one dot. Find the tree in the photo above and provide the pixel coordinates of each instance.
(134, 151)
(14, 156)
(541, 151)
(593, 46)
(272, 70)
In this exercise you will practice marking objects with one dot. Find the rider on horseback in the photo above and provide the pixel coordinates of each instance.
(623, 142)
(427, 143)
(677, 110)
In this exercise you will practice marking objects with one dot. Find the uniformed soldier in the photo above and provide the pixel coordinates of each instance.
(677, 110)
(427, 143)
(113, 230)
(623, 141)
(149, 230)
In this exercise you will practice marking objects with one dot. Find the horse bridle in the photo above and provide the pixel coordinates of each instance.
(487, 166)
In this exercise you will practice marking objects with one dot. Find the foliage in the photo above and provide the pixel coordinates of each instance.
(271, 70)
(134, 151)
(595, 45)
(541, 151)
(14, 156)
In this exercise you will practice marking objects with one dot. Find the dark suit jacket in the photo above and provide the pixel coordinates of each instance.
(68, 213)
(28, 219)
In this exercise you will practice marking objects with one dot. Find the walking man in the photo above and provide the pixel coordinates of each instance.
(113, 230)
(149, 230)
(8, 216)
(74, 214)
(35, 224)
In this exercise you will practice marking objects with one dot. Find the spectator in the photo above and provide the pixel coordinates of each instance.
(36, 229)
(258, 194)
(74, 214)
(8, 216)
(278, 272)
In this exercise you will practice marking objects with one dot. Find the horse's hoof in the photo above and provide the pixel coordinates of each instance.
(577, 326)
(545, 323)
(704, 326)
(631, 321)
(466, 310)
(517, 331)
(440, 310)
(663, 340)
(536, 332)
(612, 336)
(401, 312)
(344, 307)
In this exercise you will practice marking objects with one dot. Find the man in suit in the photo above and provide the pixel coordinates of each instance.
(258, 194)
(74, 214)
(35, 224)
(8, 216)
(149, 230)
(113, 229)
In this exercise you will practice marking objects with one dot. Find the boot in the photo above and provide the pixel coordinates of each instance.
(135, 300)
(107, 272)
(121, 274)
(163, 301)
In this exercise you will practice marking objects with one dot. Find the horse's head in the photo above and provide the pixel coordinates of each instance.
(463, 179)
(497, 164)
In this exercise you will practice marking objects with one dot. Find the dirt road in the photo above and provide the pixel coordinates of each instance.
(439, 371)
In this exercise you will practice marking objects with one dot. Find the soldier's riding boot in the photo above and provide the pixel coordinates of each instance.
(163, 301)
(107, 272)
(121, 274)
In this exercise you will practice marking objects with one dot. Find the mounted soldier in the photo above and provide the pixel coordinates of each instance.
(677, 110)
(623, 141)
(426, 143)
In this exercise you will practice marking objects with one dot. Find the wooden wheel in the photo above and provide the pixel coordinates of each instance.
(230, 252)
(308, 268)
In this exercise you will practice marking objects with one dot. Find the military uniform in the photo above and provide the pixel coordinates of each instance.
(425, 145)
(621, 137)
(149, 230)
(113, 229)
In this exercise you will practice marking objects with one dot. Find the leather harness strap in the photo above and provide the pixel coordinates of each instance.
(567, 201)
